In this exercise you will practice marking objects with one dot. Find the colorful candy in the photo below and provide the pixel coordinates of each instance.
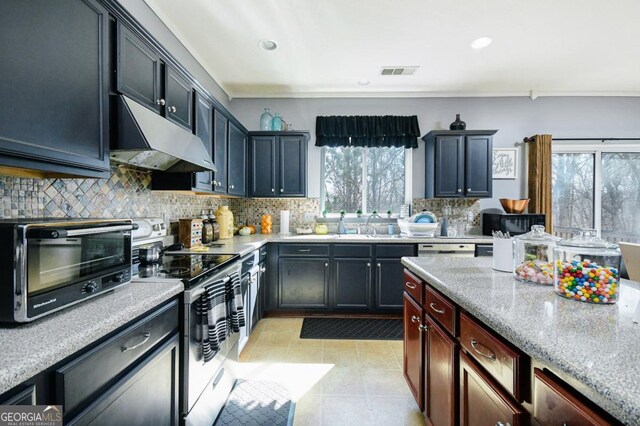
(535, 271)
(586, 281)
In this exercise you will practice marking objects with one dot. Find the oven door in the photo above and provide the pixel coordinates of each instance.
(65, 265)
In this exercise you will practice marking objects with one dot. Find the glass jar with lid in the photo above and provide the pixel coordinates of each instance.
(533, 256)
(587, 268)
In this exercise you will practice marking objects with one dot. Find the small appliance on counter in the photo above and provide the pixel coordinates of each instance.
(514, 224)
(50, 264)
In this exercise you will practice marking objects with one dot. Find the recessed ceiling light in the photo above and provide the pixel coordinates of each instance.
(363, 82)
(268, 44)
(481, 42)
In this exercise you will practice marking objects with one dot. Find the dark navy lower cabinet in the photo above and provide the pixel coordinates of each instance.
(54, 117)
(303, 283)
(389, 284)
(352, 283)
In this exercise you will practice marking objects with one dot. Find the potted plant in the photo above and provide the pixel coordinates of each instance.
(389, 213)
(324, 213)
(359, 213)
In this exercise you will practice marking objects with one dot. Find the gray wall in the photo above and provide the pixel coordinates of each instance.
(515, 118)
(149, 20)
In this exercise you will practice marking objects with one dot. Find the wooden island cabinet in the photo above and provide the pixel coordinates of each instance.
(461, 372)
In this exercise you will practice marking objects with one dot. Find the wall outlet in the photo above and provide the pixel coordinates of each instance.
(309, 217)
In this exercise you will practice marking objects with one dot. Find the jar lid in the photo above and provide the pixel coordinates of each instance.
(588, 238)
(537, 235)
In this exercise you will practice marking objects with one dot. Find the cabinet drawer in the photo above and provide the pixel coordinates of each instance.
(414, 286)
(553, 404)
(304, 250)
(483, 402)
(441, 309)
(395, 250)
(78, 380)
(505, 364)
(352, 250)
(484, 250)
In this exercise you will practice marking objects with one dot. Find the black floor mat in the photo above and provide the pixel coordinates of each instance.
(257, 402)
(351, 328)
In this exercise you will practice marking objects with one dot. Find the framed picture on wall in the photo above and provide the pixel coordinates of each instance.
(505, 163)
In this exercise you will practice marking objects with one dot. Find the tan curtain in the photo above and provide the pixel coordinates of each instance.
(540, 177)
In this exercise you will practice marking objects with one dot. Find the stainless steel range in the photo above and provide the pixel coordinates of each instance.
(205, 386)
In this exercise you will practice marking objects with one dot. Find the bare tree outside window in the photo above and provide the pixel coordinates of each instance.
(572, 188)
(620, 185)
(383, 172)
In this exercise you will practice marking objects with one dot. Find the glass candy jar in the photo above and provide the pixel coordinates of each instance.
(587, 268)
(533, 256)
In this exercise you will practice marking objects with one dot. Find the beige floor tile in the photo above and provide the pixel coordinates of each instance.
(378, 359)
(340, 357)
(267, 354)
(297, 342)
(291, 324)
(396, 411)
(343, 381)
(273, 339)
(339, 344)
(372, 345)
(396, 344)
(345, 410)
(308, 411)
(305, 355)
(385, 383)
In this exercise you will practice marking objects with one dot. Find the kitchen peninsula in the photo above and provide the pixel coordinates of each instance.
(519, 349)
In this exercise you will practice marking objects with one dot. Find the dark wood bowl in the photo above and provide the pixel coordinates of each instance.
(514, 206)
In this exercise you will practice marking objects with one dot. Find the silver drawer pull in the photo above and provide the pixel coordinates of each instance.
(304, 250)
(146, 335)
(415, 318)
(475, 344)
(410, 285)
(433, 306)
(423, 327)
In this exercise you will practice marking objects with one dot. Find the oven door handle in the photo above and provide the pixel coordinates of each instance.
(44, 233)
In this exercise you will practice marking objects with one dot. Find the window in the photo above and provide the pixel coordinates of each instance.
(364, 179)
(597, 188)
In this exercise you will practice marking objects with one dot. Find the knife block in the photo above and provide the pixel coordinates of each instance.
(190, 232)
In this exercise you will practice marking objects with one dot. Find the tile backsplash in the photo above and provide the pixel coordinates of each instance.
(252, 210)
(460, 208)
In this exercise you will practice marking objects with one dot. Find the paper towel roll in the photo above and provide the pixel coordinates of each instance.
(284, 222)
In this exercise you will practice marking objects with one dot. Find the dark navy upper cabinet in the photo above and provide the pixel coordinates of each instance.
(220, 151)
(278, 164)
(459, 163)
(138, 70)
(237, 162)
(54, 114)
(178, 98)
(204, 130)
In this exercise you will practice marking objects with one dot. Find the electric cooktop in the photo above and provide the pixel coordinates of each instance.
(190, 268)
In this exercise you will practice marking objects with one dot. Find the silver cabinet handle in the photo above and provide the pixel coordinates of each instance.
(145, 337)
(304, 250)
(412, 286)
(273, 190)
(499, 423)
(326, 264)
(215, 183)
(468, 189)
(263, 269)
(172, 109)
(459, 190)
(161, 102)
(231, 186)
(281, 190)
(379, 265)
(423, 327)
(368, 264)
(433, 306)
(489, 356)
(415, 318)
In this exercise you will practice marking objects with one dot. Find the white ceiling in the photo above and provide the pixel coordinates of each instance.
(550, 47)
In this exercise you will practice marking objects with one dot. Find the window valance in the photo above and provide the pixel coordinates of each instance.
(368, 131)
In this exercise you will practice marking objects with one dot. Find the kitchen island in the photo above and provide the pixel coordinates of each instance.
(593, 348)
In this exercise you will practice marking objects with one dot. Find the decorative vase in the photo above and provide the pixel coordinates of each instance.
(265, 120)
(276, 123)
(458, 124)
(224, 216)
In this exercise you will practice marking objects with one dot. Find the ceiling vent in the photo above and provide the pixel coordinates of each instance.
(398, 70)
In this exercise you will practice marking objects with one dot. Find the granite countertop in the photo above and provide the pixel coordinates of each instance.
(598, 345)
(31, 348)
(246, 244)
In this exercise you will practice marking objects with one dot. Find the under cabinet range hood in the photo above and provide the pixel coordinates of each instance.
(147, 140)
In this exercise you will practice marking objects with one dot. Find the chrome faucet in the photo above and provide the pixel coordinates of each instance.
(373, 215)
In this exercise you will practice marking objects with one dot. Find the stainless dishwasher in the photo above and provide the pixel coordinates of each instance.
(446, 250)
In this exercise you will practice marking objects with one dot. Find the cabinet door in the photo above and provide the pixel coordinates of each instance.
(389, 284)
(237, 161)
(478, 156)
(449, 168)
(303, 283)
(292, 166)
(220, 151)
(25, 397)
(54, 114)
(413, 349)
(263, 170)
(179, 98)
(352, 283)
(482, 401)
(203, 129)
(440, 384)
(138, 71)
(148, 395)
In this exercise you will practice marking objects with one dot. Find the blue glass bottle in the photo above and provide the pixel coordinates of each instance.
(265, 120)
(276, 123)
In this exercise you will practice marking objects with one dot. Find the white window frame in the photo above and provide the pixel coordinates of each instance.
(408, 179)
(596, 148)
